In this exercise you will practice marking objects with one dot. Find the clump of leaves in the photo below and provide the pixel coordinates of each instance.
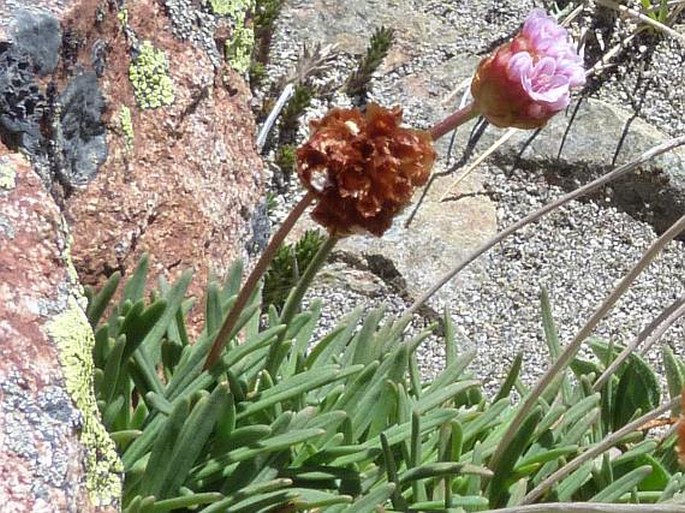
(285, 159)
(288, 420)
(265, 14)
(381, 41)
(287, 267)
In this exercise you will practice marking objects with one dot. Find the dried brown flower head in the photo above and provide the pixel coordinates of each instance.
(363, 167)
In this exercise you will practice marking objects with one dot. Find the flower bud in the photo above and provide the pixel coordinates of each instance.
(528, 80)
(363, 168)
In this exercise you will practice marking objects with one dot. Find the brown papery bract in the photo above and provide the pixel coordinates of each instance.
(363, 168)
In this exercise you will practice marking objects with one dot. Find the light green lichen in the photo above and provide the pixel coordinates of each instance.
(126, 124)
(239, 49)
(8, 177)
(234, 9)
(74, 339)
(149, 75)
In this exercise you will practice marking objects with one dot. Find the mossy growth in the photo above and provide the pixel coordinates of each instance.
(126, 125)
(149, 75)
(239, 49)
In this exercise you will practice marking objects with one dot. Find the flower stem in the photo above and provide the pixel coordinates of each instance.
(454, 120)
(295, 298)
(253, 279)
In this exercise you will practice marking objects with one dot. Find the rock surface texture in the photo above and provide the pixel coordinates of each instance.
(139, 128)
(577, 254)
(54, 453)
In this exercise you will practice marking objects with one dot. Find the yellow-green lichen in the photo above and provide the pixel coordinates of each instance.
(149, 75)
(8, 177)
(74, 339)
(234, 9)
(126, 125)
(239, 49)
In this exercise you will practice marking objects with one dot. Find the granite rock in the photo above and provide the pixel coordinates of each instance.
(55, 455)
(141, 133)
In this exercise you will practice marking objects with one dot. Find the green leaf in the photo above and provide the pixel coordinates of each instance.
(621, 486)
(163, 449)
(638, 390)
(138, 323)
(263, 447)
(503, 472)
(441, 469)
(675, 377)
(135, 286)
(189, 501)
(192, 439)
(430, 401)
(511, 378)
(369, 502)
(296, 385)
(332, 345)
(98, 304)
(112, 369)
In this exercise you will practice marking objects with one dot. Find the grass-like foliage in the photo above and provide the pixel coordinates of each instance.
(289, 421)
(287, 267)
(380, 44)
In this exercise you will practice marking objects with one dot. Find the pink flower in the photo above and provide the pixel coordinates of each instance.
(529, 79)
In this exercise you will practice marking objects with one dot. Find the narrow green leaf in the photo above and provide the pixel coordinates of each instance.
(135, 285)
(163, 449)
(623, 485)
(503, 472)
(638, 390)
(675, 378)
(369, 502)
(511, 378)
(98, 304)
(297, 385)
(192, 439)
(430, 401)
(263, 447)
(186, 502)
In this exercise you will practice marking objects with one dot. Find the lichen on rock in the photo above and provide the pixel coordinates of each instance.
(149, 75)
(234, 9)
(239, 48)
(126, 124)
(8, 177)
(74, 339)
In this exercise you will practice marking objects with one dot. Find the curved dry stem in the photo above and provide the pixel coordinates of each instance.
(595, 184)
(601, 447)
(663, 327)
(251, 283)
(570, 351)
(589, 507)
(654, 331)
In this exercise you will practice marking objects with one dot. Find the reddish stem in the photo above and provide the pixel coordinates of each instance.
(251, 283)
(452, 121)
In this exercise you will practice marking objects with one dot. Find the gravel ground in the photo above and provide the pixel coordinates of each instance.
(578, 253)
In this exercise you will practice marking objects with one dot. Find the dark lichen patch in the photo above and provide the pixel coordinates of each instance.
(38, 35)
(22, 104)
(63, 134)
(83, 141)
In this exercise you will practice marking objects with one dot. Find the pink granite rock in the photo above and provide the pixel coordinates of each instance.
(54, 453)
